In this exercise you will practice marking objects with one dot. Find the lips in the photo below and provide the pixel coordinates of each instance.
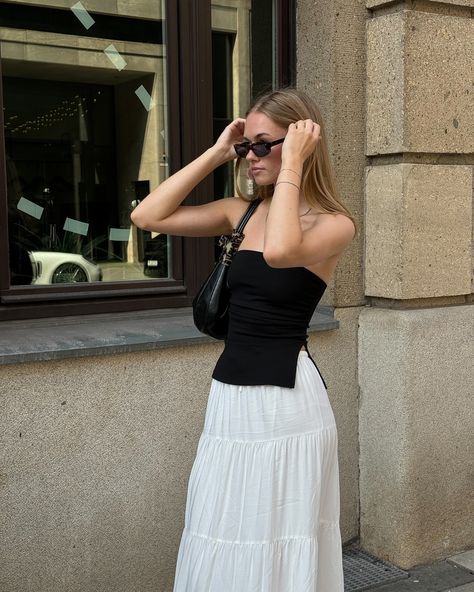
(253, 171)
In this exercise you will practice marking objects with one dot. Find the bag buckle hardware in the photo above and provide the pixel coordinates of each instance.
(229, 244)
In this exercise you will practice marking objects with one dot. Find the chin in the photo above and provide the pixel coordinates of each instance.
(263, 183)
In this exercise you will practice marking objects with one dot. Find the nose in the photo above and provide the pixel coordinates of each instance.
(251, 156)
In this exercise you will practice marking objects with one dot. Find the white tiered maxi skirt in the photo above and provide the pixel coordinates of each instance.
(262, 509)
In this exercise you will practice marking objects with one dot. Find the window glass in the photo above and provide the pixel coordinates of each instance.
(86, 138)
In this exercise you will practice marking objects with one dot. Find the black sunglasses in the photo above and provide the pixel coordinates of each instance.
(258, 148)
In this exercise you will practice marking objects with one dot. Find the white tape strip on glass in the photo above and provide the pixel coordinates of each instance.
(115, 57)
(29, 207)
(145, 97)
(76, 226)
(119, 234)
(82, 14)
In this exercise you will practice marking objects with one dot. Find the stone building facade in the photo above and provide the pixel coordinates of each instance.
(99, 444)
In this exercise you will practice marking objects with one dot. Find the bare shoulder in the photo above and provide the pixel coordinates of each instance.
(235, 208)
(335, 223)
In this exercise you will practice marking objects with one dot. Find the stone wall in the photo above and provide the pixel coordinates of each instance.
(97, 454)
(416, 340)
(394, 81)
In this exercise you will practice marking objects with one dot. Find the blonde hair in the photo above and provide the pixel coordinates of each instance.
(288, 105)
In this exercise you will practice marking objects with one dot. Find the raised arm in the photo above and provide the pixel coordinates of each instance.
(161, 211)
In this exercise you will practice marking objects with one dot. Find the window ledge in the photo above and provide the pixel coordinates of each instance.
(92, 335)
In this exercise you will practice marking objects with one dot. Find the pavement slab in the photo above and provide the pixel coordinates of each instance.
(465, 559)
(465, 588)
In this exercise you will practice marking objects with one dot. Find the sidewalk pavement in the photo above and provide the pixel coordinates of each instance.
(453, 574)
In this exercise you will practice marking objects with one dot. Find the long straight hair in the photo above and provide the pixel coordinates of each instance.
(288, 105)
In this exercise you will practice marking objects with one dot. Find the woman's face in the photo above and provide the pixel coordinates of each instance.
(259, 127)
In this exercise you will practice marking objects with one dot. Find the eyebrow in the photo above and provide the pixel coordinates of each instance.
(258, 136)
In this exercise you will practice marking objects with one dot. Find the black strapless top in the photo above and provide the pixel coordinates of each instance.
(269, 313)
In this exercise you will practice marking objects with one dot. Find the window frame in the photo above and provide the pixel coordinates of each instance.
(189, 80)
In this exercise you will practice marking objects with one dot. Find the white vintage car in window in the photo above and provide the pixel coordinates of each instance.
(52, 267)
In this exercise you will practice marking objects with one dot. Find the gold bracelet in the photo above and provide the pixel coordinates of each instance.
(296, 173)
(297, 186)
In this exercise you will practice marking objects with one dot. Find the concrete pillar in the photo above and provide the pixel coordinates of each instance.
(331, 69)
(416, 339)
(416, 423)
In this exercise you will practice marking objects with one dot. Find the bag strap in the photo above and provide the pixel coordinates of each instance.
(250, 210)
(230, 243)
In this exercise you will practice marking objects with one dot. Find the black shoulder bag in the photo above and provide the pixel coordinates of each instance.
(211, 303)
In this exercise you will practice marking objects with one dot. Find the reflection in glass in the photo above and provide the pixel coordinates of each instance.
(85, 138)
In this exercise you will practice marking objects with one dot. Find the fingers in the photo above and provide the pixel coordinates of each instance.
(303, 137)
(239, 123)
(231, 134)
(307, 124)
(238, 126)
(302, 123)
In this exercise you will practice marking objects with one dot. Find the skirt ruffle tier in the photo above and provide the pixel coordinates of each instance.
(262, 508)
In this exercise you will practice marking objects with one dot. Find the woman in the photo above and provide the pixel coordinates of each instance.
(262, 511)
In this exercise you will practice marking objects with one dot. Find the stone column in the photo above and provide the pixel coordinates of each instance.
(331, 68)
(416, 337)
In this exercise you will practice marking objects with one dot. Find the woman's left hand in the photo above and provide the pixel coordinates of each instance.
(301, 140)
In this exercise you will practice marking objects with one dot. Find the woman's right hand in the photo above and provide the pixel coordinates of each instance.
(161, 211)
(231, 135)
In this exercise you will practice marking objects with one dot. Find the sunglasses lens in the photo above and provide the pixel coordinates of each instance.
(241, 150)
(260, 149)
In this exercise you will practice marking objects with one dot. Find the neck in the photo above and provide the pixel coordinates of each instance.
(303, 204)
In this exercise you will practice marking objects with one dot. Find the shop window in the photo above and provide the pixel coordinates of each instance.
(98, 109)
